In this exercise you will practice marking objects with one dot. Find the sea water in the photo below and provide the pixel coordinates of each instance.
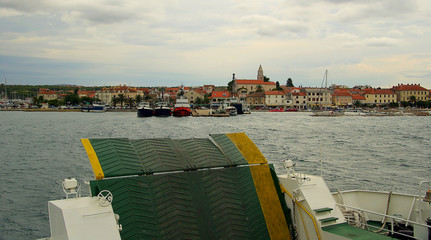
(39, 149)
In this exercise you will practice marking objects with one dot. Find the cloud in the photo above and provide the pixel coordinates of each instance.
(209, 40)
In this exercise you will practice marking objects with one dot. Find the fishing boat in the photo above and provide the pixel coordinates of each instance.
(94, 108)
(144, 110)
(162, 110)
(182, 106)
(222, 187)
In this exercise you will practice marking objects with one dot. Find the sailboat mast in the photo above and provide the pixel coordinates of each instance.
(5, 84)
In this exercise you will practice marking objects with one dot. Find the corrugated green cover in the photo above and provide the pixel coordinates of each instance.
(209, 204)
(124, 157)
(229, 149)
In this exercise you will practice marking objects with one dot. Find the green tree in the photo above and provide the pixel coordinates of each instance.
(121, 99)
(421, 104)
(404, 104)
(130, 101)
(72, 99)
(206, 99)
(54, 102)
(87, 100)
(393, 104)
(357, 103)
(289, 83)
(278, 87)
(412, 100)
(198, 100)
(138, 99)
(265, 79)
(115, 100)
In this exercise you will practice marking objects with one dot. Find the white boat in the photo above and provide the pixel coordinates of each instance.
(221, 188)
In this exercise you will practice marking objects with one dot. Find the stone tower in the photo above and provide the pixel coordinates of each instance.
(260, 73)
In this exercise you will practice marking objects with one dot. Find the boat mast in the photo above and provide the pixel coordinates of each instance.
(5, 84)
(325, 80)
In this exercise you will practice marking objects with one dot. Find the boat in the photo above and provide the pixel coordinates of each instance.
(162, 110)
(291, 110)
(276, 110)
(241, 106)
(94, 108)
(328, 113)
(144, 110)
(325, 111)
(231, 110)
(182, 106)
(222, 187)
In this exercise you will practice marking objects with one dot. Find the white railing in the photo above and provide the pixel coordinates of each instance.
(391, 217)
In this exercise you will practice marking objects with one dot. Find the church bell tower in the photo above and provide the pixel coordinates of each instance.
(260, 73)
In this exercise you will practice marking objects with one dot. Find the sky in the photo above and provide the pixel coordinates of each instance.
(380, 43)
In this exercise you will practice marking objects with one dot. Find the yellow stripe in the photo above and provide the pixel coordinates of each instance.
(270, 203)
(248, 149)
(97, 169)
(305, 210)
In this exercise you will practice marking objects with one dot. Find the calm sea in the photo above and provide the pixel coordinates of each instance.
(38, 150)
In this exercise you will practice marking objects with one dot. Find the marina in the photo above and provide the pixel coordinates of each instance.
(371, 153)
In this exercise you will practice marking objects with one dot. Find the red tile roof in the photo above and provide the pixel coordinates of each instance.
(358, 97)
(257, 82)
(377, 91)
(409, 87)
(274, 93)
(342, 94)
(220, 94)
(290, 89)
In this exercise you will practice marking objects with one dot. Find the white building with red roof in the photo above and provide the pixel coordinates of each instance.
(275, 99)
(219, 96)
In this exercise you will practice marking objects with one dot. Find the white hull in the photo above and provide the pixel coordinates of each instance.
(311, 197)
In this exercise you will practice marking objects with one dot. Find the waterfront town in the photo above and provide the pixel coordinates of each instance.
(259, 93)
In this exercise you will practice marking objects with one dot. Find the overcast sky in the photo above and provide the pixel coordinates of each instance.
(171, 42)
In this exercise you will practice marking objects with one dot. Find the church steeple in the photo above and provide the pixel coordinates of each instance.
(260, 73)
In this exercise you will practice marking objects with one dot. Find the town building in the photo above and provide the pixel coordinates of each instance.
(379, 96)
(298, 100)
(194, 94)
(47, 94)
(318, 97)
(107, 94)
(219, 96)
(342, 98)
(405, 92)
(275, 99)
(242, 87)
(256, 99)
(357, 98)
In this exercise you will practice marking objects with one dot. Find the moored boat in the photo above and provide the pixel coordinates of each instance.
(144, 110)
(162, 110)
(182, 107)
(94, 108)
(226, 188)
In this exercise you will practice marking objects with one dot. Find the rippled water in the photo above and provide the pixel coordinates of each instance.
(38, 150)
